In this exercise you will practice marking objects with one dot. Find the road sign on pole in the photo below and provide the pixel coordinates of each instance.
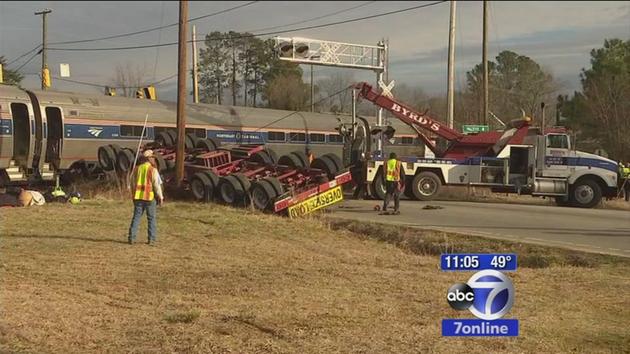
(467, 129)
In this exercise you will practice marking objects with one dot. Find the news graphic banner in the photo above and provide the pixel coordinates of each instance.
(488, 295)
(475, 262)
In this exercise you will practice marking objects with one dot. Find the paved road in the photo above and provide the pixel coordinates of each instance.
(592, 230)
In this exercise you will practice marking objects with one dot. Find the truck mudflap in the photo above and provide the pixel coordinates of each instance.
(317, 197)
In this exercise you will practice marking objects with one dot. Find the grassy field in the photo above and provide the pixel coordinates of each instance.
(232, 281)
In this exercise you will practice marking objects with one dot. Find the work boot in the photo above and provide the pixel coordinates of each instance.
(130, 241)
(396, 212)
(151, 243)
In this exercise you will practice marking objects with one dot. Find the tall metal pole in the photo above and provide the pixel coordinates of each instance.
(44, 42)
(312, 91)
(181, 93)
(379, 79)
(194, 65)
(451, 66)
(485, 62)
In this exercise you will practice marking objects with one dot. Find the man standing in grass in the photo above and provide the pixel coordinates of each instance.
(147, 189)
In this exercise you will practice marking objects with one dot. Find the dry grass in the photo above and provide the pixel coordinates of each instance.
(224, 280)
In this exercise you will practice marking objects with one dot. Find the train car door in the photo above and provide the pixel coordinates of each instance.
(54, 138)
(21, 133)
(37, 132)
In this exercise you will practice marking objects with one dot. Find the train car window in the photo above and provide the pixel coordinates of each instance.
(335, 138)
(297, 137)
(406, 140)
(276, 136)
(317, 138)
(132, 130)
(198, 132)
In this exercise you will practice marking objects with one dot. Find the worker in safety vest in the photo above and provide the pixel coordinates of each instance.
(393, 183)
(625, 182)
(146, 189)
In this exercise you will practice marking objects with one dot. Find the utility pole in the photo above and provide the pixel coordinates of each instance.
(181, 92)
(451, 65)
(312, 91)
(194, 65)
(485, 62)
(44, 41)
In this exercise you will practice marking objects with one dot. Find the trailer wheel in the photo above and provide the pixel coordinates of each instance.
(378, 186)
(201, 187)
(275, 184)
(192, 139)
(164, 139)
(173, 134)
(426, 186)
(125, 160)
(263, 194)
(261, 157)
(106, 158)
(160, 162)
(326, 164)
(117, 149)
(291, 161)
(230, 190)
(585, 193)
(272, 155)
(189, 143)
(336, 160)
(302, 156)
(206, 144)
(245, 184)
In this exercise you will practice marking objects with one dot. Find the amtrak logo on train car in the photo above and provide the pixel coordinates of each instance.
(96, 131)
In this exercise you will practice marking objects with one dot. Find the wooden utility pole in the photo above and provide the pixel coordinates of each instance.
(44, 42)
(451, 65)
(194, 65)
(485, 62)
(181, 92)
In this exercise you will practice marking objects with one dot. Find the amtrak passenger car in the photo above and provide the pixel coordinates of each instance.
(44, 132)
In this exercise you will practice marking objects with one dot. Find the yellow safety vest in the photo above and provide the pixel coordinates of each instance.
(393, 170)
(144, 182)
(625, 172)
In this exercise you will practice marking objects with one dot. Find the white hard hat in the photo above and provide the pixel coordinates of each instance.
(148, 153)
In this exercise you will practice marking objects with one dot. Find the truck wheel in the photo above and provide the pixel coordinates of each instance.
(261, 157)
(326, 164)
(230, 190)
(426, 186)
(378, 186)
(291, 161)
(263, 194)
(164, 139)
(302, 156)
(272, 155)
(201, 187)
(585, 193)
(106, 158)
(409, 189)
(125, 159)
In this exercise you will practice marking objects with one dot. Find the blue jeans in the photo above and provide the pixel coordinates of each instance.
(139, 206)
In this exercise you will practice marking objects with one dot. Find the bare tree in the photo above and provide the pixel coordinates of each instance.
(128, 77)
(335, 84)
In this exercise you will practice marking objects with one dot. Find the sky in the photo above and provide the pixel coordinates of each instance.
(558, 35)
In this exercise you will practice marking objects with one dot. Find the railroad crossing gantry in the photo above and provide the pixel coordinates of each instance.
(347, 55)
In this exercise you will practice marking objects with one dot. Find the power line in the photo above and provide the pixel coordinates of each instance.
(314, 18)
(118, 87)
(23, 55)
(257, 34)
(28, 61)
(155, 28)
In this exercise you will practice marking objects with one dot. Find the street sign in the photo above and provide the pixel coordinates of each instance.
(467, 129)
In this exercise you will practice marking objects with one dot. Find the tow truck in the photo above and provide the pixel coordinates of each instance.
(520, 159)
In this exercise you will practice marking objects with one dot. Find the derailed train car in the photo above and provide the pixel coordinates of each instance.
(44, 133)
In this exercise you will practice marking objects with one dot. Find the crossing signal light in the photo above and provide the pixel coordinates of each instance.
(46, 77)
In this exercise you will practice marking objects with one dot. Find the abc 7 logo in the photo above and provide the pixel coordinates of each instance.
(488, 295)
